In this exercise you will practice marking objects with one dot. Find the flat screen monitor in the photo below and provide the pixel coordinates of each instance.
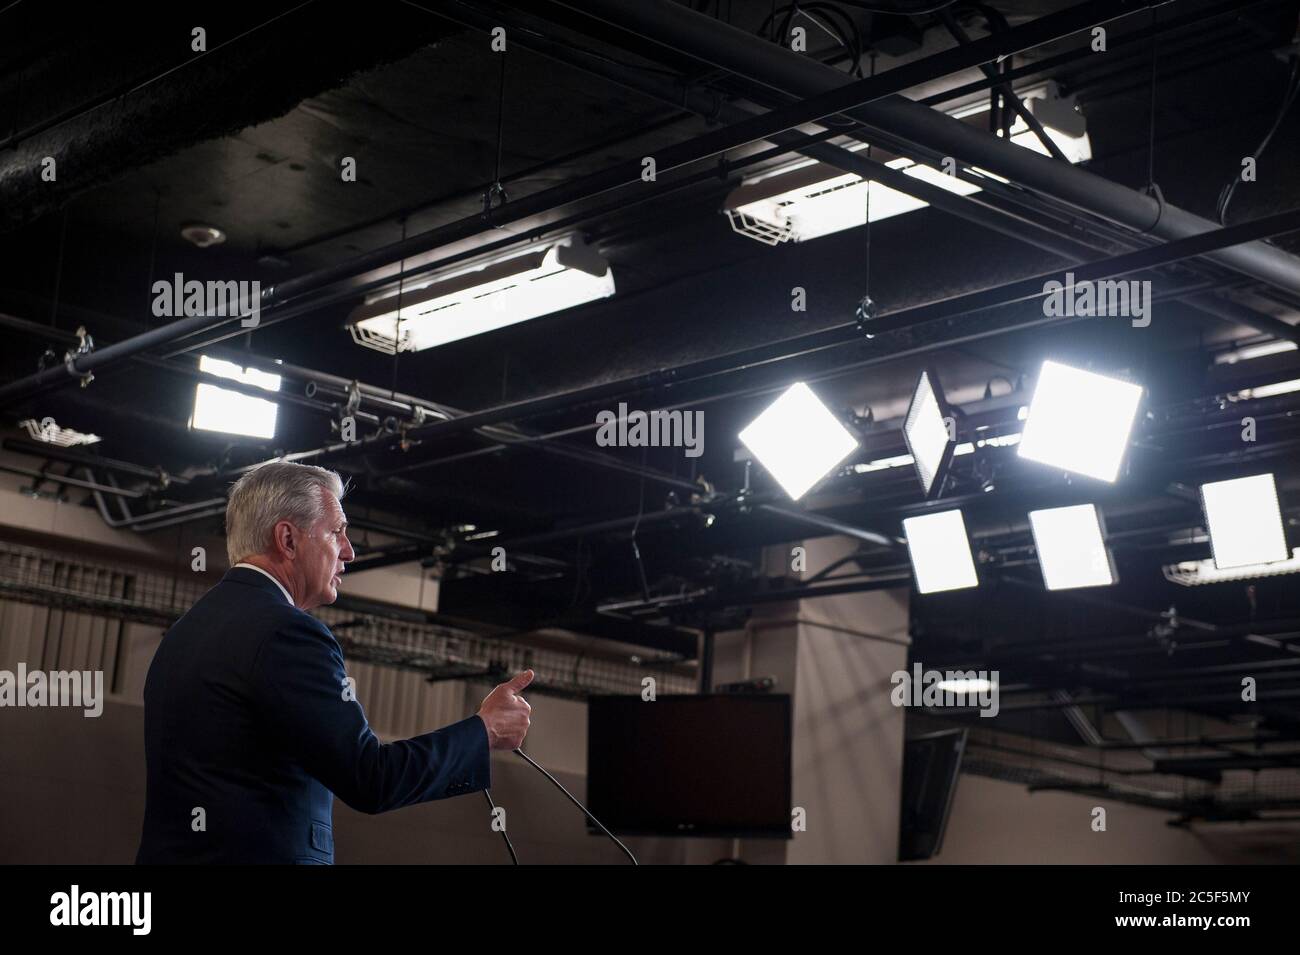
(931, 764)
(690, 765)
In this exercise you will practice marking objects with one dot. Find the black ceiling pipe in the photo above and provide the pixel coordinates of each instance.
(684, 31)
(948, 309)
(833, 99)
(710, 104)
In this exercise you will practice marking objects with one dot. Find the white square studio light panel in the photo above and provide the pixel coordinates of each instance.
(1071, 545)
(940, 552)
(1244, 521)
(1079, 421)
(925, 430)
(798, 440)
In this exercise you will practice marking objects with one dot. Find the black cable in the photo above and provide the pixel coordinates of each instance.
(841, 26)
(1293, 87)
(1151, 144)
(501, 118)
(598, 823)
(504, 835)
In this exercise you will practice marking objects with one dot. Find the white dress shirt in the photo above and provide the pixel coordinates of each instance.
(269, 577)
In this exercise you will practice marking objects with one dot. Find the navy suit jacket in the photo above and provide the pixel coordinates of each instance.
(246, 718)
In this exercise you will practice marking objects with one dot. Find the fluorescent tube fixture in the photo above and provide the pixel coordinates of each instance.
(1071, 545)
(798, 440)
(1251, 352)
(1079, 421)
(1059, 116)
(808, 199)
(966, 447)
(925, 429)
(492, 295)
(940, 551)
(230, 412)
(964, 685)
(1266, 391)
(48, 431)
(1194, 573)
(1244, 521)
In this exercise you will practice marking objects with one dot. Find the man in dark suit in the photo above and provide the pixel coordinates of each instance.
(251, 725)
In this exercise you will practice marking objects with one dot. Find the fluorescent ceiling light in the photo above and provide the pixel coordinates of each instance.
(807, 200)
(940, 551)
(976, 685)
(1248, 352)
(1079, 421)
(1058, 115)
(489, 296)
(1266, 391)
(1071, 545)
(230, 412)
(966, 447)
(926, 432)
(798, 440)
(48, 431)
(1244, 521)
(1193, 573)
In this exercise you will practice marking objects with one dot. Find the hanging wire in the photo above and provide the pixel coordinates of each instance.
(1151, 140)
(1288, 98)
(866, 307)
(636, 526)
(153, 242)
(397, 328)
(495, 195)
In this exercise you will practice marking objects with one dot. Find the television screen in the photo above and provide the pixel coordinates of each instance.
(707, 765)
(930, 767)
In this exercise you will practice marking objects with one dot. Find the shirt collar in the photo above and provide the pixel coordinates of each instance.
(270, 577)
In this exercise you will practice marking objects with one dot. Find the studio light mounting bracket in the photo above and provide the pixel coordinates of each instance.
(85, 345)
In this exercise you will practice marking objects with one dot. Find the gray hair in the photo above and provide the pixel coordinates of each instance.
(279, 491)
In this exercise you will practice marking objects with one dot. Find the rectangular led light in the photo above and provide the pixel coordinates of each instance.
(798, 440)
(482, 299)
(926, 432)
(940, 551)
(1244, 521)
(230, 412)
(1071, 545)
(1079, 421)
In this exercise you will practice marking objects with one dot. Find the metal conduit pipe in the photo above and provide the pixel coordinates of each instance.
(725, 47)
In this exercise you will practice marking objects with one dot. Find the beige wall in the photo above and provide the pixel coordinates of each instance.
(999, 822)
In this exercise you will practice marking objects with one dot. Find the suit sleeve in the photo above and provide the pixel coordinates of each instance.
(300, 686)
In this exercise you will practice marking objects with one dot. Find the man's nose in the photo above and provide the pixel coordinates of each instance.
(347, 553)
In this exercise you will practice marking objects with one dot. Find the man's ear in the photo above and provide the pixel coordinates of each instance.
(285, 540)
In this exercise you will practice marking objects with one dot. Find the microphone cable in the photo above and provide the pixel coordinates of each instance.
(556, 782)
(504, 835)
(598, 823)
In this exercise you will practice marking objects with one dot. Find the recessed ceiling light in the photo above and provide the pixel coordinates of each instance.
(202, 234)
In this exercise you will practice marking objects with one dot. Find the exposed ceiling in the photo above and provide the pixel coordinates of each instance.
(249, 138)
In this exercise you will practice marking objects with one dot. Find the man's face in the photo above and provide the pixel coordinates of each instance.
(324, 551)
